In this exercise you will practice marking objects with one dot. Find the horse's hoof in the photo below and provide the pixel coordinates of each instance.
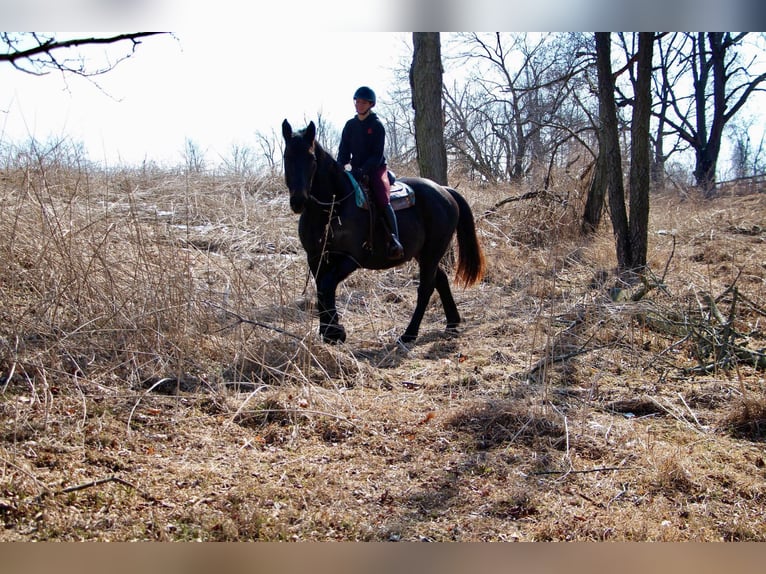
(333, 334)
(407, 339)
(451, 331)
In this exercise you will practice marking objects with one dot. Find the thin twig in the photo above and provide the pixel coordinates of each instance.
(241, 319)
(566, 431)
(9, 377)
(668, 408)
(667, 263)
(149, 390)
(691, 412)
(753, 305)
(601, 469)
(25, 472)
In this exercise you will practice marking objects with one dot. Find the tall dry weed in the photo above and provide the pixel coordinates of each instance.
(122, 276)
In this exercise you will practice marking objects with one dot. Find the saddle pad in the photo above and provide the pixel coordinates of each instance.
(402, 196)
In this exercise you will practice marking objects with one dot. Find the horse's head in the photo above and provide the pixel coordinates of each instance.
(300, 163)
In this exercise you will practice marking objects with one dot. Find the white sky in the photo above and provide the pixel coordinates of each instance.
(248, 66)
(215, 88)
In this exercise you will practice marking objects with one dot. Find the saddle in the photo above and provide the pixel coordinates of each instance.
(402, 195)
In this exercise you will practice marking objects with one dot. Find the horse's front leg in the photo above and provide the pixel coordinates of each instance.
(329, 324)
(327, 277)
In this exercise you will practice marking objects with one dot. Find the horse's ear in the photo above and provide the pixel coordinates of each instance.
(287, 130)
(311, 131)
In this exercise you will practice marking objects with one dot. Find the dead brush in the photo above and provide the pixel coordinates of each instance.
(746, 419)
(114, 281)
(161, 377)
(508, 422)
(671, 476)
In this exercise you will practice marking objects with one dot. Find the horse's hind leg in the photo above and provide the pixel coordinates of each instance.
(448, 302)
(425, 290)
(428, 280)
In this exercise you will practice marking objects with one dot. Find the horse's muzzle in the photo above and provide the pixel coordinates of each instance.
(297, 203)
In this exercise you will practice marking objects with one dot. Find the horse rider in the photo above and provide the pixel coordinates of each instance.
(362, 144)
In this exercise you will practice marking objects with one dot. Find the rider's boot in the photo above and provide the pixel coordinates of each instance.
(395, 249)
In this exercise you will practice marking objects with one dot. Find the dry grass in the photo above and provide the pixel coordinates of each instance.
(161, 377)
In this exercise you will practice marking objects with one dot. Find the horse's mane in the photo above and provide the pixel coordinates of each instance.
(322, 154)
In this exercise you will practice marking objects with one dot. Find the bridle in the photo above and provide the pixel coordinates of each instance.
(330, 205)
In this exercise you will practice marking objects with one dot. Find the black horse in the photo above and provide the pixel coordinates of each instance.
(336, 233)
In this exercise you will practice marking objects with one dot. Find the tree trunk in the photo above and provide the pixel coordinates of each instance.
(594, 204)
(707, 159)
(709, 141)
(611, 142)
(639, 149)
(426, 86)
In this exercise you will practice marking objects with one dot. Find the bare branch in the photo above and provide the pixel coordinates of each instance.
(38, 55)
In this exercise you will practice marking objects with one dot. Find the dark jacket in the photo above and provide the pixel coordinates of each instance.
(362, 143)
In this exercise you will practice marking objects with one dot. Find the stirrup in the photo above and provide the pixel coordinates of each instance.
(395, 249)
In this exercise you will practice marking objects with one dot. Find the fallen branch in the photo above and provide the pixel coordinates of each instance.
(499, 204)
(739, 356)
(93, 483)
(98, 482)
(548, 360)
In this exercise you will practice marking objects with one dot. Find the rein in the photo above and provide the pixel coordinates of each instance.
(335, 201)
(331, 204)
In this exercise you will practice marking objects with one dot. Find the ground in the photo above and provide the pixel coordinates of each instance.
(162, 378)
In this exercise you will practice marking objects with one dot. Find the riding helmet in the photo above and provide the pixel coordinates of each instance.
(365, 93)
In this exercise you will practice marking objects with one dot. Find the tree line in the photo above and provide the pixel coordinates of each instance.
(502, 107)
(525, 99)
(532, 102)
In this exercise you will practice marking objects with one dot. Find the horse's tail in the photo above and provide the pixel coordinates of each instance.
(470, 260)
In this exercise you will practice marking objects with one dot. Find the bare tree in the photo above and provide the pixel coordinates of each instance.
(398, 117)
(594, 201)
(194, 157)
(519, 103)
(719, 83)
(666, 141)
(746, 158)
(327, 134)
(609, 146)
(639, 176)
(239, 163)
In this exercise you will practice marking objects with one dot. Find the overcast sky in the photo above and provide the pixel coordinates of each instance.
(237, 68)
(215, 88)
